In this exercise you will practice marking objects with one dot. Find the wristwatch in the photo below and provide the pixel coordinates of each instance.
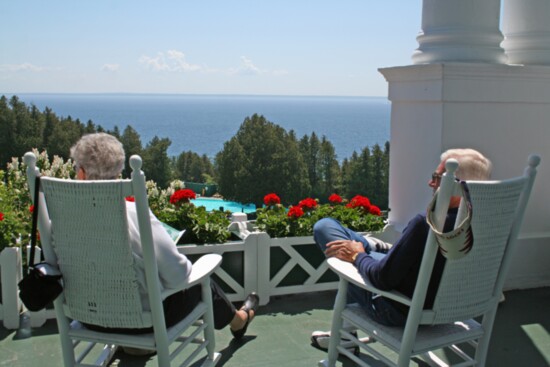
(354, 257)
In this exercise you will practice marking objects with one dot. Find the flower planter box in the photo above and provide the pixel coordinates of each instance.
(237, 274)
(293, 265)
(268, 266)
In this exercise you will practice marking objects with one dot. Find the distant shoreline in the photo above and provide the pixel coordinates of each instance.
(9, 94)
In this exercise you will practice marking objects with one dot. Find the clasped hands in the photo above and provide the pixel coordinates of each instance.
(344, 249)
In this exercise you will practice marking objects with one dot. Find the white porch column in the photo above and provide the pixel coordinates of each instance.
(526, 26)
(460, 31)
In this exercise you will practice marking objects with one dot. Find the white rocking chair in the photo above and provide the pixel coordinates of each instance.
(84, 230)
(470, 286)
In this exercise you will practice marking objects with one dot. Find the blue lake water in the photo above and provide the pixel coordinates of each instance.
(202, 123)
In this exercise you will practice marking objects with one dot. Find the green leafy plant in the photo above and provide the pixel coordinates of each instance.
(357, 214)
(201, 226)
(13, 222)
(172, 206)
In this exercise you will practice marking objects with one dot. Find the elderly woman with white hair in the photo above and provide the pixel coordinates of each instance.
(101, 157)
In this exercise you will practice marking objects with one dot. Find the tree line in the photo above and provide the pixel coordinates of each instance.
(260, 158)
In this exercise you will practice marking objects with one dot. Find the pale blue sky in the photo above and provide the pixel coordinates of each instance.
(281, 47)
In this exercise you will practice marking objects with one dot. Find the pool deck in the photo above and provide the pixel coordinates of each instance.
(279, 336)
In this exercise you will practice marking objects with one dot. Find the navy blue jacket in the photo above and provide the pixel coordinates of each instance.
(399, 269)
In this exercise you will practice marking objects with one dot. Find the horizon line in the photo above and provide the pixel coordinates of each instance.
(193, 94)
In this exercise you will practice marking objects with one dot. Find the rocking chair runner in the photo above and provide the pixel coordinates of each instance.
(84, 230)
(470, 286)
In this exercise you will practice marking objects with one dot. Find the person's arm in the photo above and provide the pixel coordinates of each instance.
(390, 271)
(173, 267)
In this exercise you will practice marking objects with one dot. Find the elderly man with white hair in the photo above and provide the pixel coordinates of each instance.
(395, 267)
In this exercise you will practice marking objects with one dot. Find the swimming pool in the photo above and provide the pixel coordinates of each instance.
(216, 204)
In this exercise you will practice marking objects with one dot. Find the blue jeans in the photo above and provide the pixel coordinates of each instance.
(378, 308)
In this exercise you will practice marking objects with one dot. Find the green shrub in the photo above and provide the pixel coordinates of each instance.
(357, 214)
(201, 226)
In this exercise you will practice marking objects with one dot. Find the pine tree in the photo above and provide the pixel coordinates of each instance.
(27, 126)
(261, 158)
(189, 166)
(329, 170)
(156, 163)
(379, 192)
(131, 142)
(7, 132)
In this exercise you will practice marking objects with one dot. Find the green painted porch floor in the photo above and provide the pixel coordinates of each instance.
(279, 336)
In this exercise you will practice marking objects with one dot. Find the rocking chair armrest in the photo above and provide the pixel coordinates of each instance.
(203, 267)
(347, 271)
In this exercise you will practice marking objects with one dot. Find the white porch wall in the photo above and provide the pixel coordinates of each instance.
(501, 110)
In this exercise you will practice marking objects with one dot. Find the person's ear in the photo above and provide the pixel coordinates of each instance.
(81, 173)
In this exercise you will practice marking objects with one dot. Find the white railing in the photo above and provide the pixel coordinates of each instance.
(11, 272)
(269, 266)
(257, 262)
(10, 275)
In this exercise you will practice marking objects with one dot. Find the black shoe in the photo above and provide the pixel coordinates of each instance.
(250, 304)
(320, 340)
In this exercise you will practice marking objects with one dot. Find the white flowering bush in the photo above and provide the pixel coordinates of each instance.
(157, 197)
(15, 202)
(16, 209)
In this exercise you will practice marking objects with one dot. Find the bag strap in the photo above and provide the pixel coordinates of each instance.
(34, 229)
(455, 243)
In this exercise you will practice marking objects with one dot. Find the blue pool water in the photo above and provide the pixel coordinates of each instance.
(215, 204)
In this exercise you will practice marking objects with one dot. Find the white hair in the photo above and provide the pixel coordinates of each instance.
(472, 165)
(100, 155)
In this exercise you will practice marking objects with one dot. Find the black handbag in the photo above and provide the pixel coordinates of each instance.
(41, 285)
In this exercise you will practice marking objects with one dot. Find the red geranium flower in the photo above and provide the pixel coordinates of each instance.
(31, 208)
(360, 202)
(295, 212)
(1, 217)
(374, 210)
(335, 199)
(130, 198)
(271, 199)
(308, 204)
(183, 195)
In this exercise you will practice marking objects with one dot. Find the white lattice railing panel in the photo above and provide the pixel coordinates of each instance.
(291, 265)
(237, 273)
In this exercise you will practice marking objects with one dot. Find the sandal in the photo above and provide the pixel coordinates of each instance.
(250, 304)
(321, 339)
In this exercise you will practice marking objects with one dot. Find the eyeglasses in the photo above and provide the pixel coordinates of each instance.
(436, 176)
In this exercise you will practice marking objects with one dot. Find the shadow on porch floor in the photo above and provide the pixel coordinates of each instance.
(280, 336)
